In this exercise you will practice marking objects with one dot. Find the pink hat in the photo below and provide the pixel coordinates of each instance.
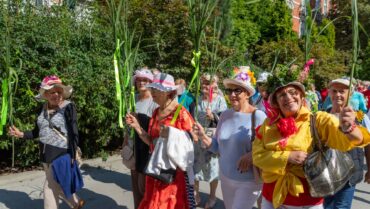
(50, 82)
(143, 73)
(163, 82)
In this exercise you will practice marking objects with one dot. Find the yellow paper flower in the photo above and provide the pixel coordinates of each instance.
(360, 116)
(251, 75)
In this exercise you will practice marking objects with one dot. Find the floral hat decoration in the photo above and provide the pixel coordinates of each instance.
(288, 76)
(242, 76)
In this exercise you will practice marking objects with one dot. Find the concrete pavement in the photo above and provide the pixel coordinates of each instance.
(107, 186)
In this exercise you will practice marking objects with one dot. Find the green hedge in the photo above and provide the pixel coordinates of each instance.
(51, 41)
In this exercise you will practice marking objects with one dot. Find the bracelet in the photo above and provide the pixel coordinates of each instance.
(352, 128)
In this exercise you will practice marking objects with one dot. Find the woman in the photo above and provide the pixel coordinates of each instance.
(179, 193)
(144, 109)
(338, 93)
(56, 128)
(210, 106)
(284, 140)
(233, 142)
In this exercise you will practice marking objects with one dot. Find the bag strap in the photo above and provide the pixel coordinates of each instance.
(253, 125)
(314, 134)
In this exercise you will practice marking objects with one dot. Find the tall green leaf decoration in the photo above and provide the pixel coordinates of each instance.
(355, 43)
(124, 58)
(9, 82)
(199, 13)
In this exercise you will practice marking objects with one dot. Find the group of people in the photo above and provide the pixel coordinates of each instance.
(254, 140)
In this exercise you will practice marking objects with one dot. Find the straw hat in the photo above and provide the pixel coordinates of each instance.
(50, 82)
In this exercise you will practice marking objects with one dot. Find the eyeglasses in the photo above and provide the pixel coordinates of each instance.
(237, 91)
(291, 92)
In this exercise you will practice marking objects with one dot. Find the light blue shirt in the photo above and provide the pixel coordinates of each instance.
(233, 140)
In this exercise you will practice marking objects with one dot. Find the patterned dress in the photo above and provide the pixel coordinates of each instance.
(178, 194)
(206, 166)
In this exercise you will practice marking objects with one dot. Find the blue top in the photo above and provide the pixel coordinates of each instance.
(233, 140)
(189, 101)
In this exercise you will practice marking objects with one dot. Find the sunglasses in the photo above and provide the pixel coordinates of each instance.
(236, 91)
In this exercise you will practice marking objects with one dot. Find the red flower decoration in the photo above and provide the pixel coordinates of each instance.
(286, 127)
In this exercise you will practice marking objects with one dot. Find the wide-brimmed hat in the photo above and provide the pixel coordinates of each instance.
(262, 77)
(242, 76)
(50, 82)
(163, 82)
(143, 73)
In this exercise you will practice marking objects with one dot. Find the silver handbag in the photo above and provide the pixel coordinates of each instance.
(327, 170)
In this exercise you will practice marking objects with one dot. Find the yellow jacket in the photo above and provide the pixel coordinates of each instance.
(273, 161)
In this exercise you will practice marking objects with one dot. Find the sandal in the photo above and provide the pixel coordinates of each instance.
(80, 204)
(210, 203)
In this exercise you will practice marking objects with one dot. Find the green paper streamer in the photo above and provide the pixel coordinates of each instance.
(118, 85)
(4, 107)
(195, 62)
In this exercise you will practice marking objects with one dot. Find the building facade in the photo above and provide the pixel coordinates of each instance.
(298, 8)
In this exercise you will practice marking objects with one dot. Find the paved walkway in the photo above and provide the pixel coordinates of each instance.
(107, 186)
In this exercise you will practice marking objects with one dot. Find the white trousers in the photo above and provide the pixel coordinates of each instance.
(53, 192)
(268, 205)
(239, 195)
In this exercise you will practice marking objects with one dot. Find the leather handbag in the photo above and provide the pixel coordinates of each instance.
(327, 170)
(166, 175)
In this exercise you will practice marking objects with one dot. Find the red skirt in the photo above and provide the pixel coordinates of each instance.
(159, 195)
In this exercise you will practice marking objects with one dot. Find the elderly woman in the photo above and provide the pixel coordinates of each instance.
(56, 128)
(284, 141)
(178, 193)
(262, 100)
(338, 92)
(233, 142)
(211, 105)
(144, 109)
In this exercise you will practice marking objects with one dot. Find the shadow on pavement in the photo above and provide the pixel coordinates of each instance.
(17, 200)
(97, 201)
(204, 198)
(361, 199)
(108, 176)
(362, 191)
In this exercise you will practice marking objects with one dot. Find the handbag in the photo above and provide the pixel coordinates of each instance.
(165, 175)
(127, 153)
(327, 170)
